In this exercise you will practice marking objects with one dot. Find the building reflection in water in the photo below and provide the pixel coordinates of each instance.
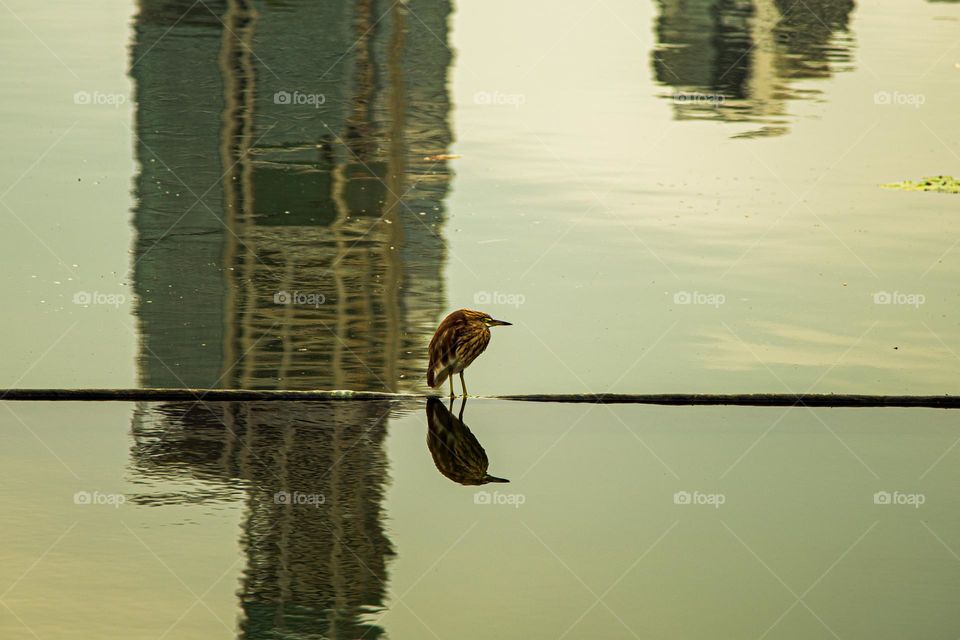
(744, 60)
(314, 476)
(314, 134)
(288, 235)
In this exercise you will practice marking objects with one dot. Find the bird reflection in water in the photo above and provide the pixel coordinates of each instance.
(455, 450)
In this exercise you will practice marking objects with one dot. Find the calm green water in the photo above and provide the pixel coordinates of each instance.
(178, 530)
(662, 196)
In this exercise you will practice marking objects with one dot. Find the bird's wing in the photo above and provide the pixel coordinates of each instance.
(443, 349)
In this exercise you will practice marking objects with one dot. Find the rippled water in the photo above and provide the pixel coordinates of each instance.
(669, 196)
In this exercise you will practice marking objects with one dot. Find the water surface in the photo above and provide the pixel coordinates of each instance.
(307, 520)
(664, 196)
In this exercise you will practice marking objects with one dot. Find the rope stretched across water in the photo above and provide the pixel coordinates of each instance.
(680, 399)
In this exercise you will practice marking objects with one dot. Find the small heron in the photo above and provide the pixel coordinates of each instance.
(460, 338)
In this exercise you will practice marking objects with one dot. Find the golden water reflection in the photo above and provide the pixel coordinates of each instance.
(290, 199)
(743, 60)
(314, 476)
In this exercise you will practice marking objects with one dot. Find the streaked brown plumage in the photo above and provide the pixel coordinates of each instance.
(460, 338)
(456, 452)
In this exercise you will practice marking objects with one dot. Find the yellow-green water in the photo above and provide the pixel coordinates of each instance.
(617, 522)
(661, 196)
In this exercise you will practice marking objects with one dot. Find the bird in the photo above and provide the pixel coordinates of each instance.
(461, 337)
(456, 451)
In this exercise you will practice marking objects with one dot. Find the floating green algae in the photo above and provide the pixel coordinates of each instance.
(942, 184)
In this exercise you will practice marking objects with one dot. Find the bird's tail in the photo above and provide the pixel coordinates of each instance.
(489, 478)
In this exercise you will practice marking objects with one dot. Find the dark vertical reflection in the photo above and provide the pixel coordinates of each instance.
(317, 568)
(246, 193)
(336, 199)
(745, 60)
(179, 245)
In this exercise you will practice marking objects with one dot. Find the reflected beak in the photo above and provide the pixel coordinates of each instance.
(499, 323)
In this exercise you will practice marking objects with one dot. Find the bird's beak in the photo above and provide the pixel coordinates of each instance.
(499, 323)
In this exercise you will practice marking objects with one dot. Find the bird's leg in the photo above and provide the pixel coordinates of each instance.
(463, 385)
(463, 404)
(452, 394)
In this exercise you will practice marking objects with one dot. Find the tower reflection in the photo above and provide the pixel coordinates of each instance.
(289, 234)
(291, 193)
(745, 60)
(314, 476)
